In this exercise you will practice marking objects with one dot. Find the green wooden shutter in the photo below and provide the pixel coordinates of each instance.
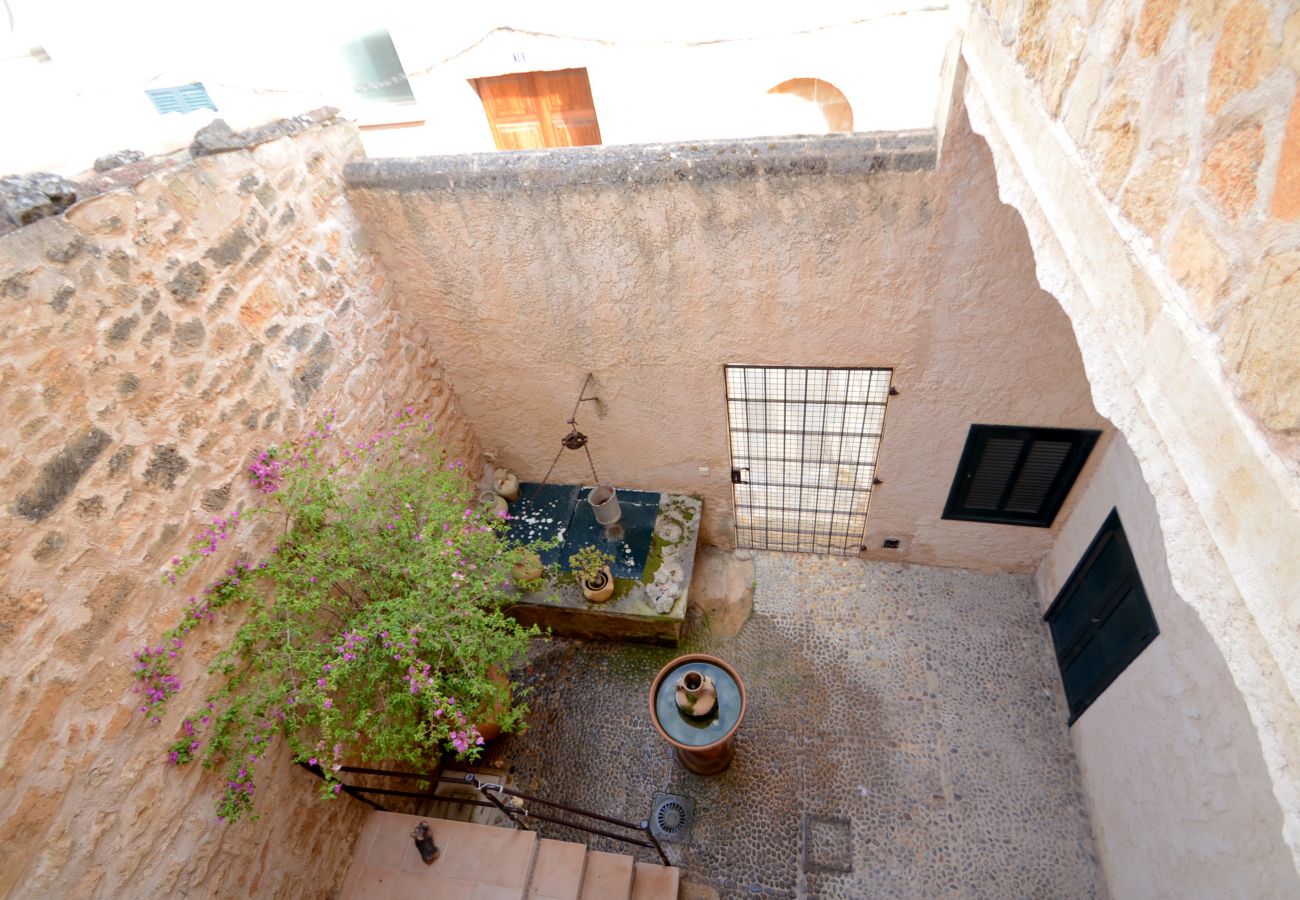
(1101, 620)
(1017, 476)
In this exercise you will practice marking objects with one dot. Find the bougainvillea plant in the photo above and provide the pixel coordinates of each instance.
(373, 630)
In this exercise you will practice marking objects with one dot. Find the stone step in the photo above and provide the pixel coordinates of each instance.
(609, 877)
(443, 804)
(558, 871)
(654, 882)
(477, 861)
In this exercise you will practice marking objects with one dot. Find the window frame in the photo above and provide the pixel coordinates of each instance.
(1082, 441)
(1111, 532)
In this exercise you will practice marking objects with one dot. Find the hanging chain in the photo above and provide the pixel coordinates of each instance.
(574, 440)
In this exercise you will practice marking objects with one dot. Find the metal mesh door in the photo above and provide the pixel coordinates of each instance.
(804, 443)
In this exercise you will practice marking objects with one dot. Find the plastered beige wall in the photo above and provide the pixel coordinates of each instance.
(162, 334)
(654, 287)
(1180, 798)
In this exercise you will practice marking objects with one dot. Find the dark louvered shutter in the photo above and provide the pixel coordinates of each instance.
(1101, 620)
(1017, 476)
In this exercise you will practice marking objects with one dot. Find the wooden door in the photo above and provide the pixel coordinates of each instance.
(529, 110)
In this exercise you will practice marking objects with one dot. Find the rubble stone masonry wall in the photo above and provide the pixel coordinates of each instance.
(152, 341)
(1187, 115)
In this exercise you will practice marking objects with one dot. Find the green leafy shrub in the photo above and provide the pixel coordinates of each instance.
(374, 630)
(587, 563)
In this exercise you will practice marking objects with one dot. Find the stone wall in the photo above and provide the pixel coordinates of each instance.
(654, 266)
(1180, 798)
(153, 340)
(1151, 152)
(1186, 113)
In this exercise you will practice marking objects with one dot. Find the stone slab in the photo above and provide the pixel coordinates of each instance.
(630, 614)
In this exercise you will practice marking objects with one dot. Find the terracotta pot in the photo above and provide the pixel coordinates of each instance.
(708, 759)
(507, 485)
(493, 503)
(487, 721)
(527, 570)
(601, 589)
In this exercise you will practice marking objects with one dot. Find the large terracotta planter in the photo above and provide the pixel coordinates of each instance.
(704, 745)
(487, 720)
(601, 589)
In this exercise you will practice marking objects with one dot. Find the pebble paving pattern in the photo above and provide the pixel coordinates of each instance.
(905, 737)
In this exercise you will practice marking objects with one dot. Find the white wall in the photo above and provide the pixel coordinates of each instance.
(690, 72)
(649, 90)
(1181, 801)
(258, 61)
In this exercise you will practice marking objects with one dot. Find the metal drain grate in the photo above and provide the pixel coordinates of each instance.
(671, 818)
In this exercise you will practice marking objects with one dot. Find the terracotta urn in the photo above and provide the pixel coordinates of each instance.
(507, 485)
(696, 694)
(493, 503)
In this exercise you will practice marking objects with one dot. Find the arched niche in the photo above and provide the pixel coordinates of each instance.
(835, 107)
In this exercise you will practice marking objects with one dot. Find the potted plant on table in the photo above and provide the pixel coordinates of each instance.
(528, 571)
(590, 567)
(373, 631)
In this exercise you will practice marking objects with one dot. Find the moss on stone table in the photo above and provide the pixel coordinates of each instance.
(630, 614)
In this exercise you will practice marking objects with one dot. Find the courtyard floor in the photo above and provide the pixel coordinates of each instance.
(905, 737)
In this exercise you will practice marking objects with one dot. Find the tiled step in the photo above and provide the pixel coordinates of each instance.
(478, 862)
(609, 877)
(655, 882)
(558, 871)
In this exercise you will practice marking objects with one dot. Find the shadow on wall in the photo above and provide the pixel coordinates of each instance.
(1174, 773)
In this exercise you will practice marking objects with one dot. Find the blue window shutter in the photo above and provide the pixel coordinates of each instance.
(182, 98)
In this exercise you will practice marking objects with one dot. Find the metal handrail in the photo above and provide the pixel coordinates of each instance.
(511, 811)
(517, 814)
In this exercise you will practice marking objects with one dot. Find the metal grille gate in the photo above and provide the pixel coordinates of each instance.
(804, 444)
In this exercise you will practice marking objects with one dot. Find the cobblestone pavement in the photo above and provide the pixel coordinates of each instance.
(905, 737)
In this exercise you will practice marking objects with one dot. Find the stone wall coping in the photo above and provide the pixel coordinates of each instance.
(511, 170)
(92, 183)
